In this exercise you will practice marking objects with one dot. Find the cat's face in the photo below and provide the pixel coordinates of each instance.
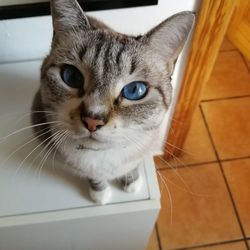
(106, 88)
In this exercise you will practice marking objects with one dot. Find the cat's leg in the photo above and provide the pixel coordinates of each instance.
(132, 181)
(99, 191)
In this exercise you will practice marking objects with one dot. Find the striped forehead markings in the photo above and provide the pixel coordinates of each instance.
(82, 52)
(133, 65)
(107, 58)
(99, 44)
(107, 55)
(119, 53)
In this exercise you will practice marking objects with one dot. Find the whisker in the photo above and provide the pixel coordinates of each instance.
(182, 150)
(140, 147)
(177, 173)
(21, 164)
(165, 145)
(182, 189)
(177, 159)
(28, 127)
(45, 147)
(33, 112)
(169, 196)
(25, 144)
(62, 141)
(45, 157)
(171, 167)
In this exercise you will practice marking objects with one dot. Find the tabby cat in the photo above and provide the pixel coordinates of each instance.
(103, 95)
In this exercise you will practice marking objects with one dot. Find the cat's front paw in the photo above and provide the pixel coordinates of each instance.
(134, 186)
(101, 197)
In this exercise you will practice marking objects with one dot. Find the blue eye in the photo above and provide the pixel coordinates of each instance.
(135, 91)
(72, 76)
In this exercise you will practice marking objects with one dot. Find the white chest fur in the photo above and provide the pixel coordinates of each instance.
(103, 164)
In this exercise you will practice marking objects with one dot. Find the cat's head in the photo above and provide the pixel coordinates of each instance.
(107, 88)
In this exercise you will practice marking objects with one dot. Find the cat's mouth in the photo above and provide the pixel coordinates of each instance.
(84, 147)
(91, 137)
(92, 142)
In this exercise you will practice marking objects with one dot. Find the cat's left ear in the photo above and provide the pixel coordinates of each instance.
(168, 38)
(67, 14)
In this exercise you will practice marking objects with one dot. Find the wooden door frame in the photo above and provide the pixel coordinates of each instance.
(239, 28)
(211, 25)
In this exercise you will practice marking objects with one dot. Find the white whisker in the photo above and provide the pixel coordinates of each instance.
(169, 195)
(174, 169)
(46, 146)
(25, 144)
(21, 164)
(52, 147)
(182, 150)
(33, 112)
(28, 127)
(171, 167)
(62, 141)
(183, 189)
(178, 174)
(45, 157)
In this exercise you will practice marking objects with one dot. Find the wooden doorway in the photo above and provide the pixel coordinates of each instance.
(212, 22)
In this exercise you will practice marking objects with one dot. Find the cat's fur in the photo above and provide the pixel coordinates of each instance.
(108, 61)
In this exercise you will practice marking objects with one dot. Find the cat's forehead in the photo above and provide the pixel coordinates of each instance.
(98, 48)
(106, 36)
(105, 58)
(108, 55)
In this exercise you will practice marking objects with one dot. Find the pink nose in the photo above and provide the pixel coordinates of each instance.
(92, 124)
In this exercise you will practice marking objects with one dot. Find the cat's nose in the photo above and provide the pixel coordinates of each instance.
(92, 124)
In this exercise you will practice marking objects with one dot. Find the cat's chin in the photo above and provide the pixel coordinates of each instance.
(91, 143)
(91, 147)
(88, 145)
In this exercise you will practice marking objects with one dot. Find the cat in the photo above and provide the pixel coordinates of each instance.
(103, 95)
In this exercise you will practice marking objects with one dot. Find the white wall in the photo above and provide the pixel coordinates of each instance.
(29, 38)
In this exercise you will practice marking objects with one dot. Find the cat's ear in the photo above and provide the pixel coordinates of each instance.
(168, 38)
(67, 14)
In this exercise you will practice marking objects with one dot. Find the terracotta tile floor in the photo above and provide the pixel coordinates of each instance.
(206, 191)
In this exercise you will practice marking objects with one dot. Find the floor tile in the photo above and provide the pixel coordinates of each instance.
(153, 242)
(238, 176)
(230, 77)
(229, 123)
(227, 45)
(197, 147)
(202, 212)
(229, 246)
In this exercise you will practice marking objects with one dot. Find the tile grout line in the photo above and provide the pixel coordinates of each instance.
(236, 159)
(202, 163)
(244, 61)
(211, 244)
(158, 236)
(187, 165)
(224, 177)
(225, 98)
(228, 50)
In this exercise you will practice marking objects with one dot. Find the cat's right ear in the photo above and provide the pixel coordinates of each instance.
(168, 38)
(67, 15)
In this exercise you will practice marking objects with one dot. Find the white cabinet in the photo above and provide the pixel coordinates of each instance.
(48, 208)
